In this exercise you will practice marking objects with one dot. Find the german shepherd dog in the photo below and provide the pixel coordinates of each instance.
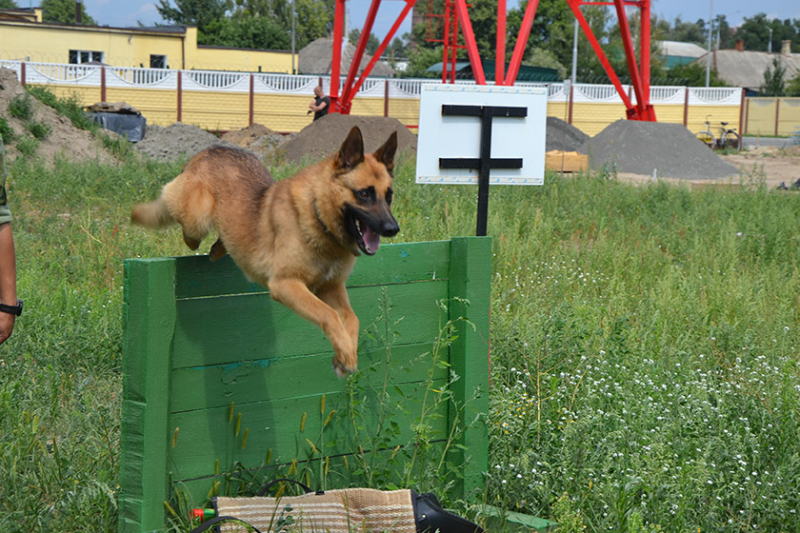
(298, 237)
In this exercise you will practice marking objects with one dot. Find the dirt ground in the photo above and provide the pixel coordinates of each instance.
(768, 164)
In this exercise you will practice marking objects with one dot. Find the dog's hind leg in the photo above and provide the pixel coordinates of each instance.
(218, 250)
(192, 207)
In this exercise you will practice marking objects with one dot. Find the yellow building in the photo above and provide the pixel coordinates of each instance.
(24, 37)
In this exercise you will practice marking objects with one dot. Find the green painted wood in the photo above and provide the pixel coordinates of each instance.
(197, 276)
(149, 322)
(199, 337)
(281, 378)
(501, 520)
(253, 327)
(470, 279)
(342, 470)
(205, 437)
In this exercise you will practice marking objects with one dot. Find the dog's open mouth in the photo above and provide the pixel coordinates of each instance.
(367, 239)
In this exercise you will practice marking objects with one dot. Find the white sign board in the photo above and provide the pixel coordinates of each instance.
(451, 136)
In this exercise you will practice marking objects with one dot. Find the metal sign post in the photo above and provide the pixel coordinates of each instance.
(508, 138)
(484, 164)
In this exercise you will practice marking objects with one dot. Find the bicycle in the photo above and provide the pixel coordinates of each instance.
(728, 139)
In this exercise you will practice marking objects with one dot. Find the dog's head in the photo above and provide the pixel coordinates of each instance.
(367, 178)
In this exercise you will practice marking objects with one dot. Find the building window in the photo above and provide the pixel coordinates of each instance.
(158, 61)
(77, 57)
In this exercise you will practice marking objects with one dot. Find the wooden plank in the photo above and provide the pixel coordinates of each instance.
(285, 377)
(201, 438)
(470, 279)
(197, 276)
(566, 161)
(253, 327)
(149, 321)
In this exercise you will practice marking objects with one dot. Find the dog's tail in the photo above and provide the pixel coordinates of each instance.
(152, 215)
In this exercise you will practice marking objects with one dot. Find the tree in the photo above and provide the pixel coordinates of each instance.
(793, 88)
(259, 33)
(756, 33)
(63, 12)
(372, 42)
(8, 4)
(553, 30)
(199, 13)
(694, 75)
(774, 82)
(419, 61)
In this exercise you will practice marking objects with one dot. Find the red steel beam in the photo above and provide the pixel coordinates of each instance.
(630, 53)
(336, 61)
(575, 5)
(500, 62)
(644, 47)
(445, 41)
(359, 53)
(379, 52)
(522, 40)
(469, 40)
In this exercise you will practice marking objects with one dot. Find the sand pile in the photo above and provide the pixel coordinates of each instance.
(323, 137)
(177, 140)
(63, 139)
(564, 137)
(644, 147)
(257, 138)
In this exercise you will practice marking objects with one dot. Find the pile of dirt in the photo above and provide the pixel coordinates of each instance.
(669, 150)
(62, 139)
(176, 141)
(257, 138)
(564, 137)
(323, 137)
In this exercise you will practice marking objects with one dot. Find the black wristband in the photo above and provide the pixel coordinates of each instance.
(12, 309)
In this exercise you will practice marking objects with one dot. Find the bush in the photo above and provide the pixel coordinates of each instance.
(5, 131)
(39, 130)
(21, 107)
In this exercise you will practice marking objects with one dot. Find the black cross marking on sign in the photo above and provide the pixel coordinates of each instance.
(485, 163)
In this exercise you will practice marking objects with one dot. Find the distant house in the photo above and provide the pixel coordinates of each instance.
(745, 68)
(676, 53)
(316, 58)
(24, 37)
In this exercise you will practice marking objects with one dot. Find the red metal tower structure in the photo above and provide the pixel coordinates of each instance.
(639, 71)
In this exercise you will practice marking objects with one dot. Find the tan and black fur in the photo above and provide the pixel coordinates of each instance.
(298, 237)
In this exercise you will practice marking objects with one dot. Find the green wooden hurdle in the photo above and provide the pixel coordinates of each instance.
(217, 374)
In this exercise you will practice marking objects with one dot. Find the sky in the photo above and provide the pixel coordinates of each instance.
(130, 12)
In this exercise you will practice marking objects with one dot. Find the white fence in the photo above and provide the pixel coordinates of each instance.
(240, 82)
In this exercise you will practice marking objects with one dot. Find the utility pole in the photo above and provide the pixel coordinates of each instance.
(293, 70)
(710, 35)
(575, 55)
(769, 43)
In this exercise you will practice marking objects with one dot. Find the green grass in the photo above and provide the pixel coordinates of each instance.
(645, 369)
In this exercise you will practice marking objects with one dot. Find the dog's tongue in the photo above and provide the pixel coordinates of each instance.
(371, 239)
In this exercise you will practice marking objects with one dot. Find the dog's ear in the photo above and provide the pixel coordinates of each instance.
(352, 151)
(385, 154)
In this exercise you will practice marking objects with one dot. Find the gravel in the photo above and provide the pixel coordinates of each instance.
(669, 150)
(176, 141)
(564, 137)
(323, 137)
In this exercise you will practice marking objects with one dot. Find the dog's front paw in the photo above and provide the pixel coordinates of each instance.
(342, 369)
